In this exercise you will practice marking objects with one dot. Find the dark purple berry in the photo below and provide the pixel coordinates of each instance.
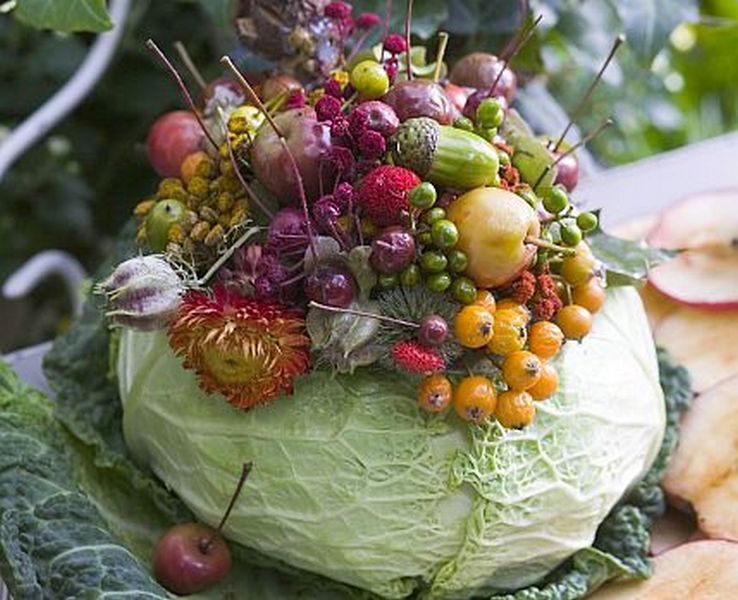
(330, 285)
(326, 213)
(394, 43)
(433, 330)
(392, 250)
(567, 172)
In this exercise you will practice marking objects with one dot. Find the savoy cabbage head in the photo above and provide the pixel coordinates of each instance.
(354, 482)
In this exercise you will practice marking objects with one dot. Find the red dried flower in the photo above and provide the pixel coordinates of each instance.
(249, 350)
(296, 99)
(392, 67)
(358, 122)
(413, 357)
(340, 127)
(383, 193)
(371, 144)
(546, 308)
(367, 20)
(394, 43)
(327, 108)
(523, 288)
(546, 285)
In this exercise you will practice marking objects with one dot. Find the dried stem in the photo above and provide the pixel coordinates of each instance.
(590, 90)
(408, 21)
(182, 87)
(242, 480)
(440, 53)
(223, 258)
(534, 241)
(517, 46)
(190, 64)
(361, 313)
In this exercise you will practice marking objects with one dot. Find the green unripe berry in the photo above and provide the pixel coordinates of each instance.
(410, 276)
(370, 79)
(556, 200)
(487, 133)
(388, 281)
(423, 196)
(464, 123)
(463, 290)
(571, 235)
(424, 238)
(458, 261)
(438, 282)
(587, 221)
(434, 214)
(504, 158)
(444, 233)
(433, 261)
(489, 113)
(165, 213)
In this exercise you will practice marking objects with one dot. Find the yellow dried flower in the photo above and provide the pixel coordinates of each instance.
(200, 231)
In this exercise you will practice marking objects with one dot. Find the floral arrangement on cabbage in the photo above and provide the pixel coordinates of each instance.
(384, 232)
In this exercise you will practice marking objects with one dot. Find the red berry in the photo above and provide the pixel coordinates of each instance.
(394, 43)
(383, 194)
(392, 250)
(413, 357)
(331, 285)
(171, 138)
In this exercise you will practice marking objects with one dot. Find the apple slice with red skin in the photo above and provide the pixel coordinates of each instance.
(703, 341)
(671, 530)
(704, 570)
(705, 274)
(703, 470)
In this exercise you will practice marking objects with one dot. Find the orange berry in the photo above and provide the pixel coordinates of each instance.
(510, 304)
(475, 399)
(515, 409)
(510, 333)
(545, 339)
(473, 326)
(546, 385)
(590, 295)
(434, 393)
(521, 369)
(486, 299)
(580, 268)
(575, 321)
(190, 164)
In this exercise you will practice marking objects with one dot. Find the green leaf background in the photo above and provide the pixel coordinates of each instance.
(64, 15)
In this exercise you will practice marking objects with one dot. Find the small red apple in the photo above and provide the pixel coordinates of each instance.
(420, 98)
(191, 557)
(171, 138)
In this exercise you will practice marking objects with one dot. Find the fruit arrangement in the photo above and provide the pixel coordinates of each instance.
(377, 217)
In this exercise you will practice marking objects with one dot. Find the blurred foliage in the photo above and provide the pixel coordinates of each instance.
(71, 15)
(672, 84)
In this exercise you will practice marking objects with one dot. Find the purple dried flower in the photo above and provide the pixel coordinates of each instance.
(344, 196)
(265, 288)
(270, 267)
(338, 10)
(367, 20)
(296, 99)
(371, 144)
(332, 87)
(340, 127)
(326, 213)
(358, 122)
(341, 161)
(392, 67)
(395, 44)
(327, 108)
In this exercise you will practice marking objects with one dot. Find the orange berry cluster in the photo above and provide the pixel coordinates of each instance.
(520, 347)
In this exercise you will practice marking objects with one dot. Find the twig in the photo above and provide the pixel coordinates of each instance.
(408, 20)
(190, 64)
(361, 313)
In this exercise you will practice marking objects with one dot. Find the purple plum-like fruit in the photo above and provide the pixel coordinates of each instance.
(420, 98)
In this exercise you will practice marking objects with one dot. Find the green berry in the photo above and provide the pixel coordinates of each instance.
(464, 290)
(433, 215)
(571, 235)
(388, 281)
(556, 200)
(424, 238)
(438, 282)
(423, 196)
(165, 213)
(487, 133)
(457, 261)
(529, 196)
(504, 158)
(489, 113)
(587, 221)
(433, 261)
(444, 233)
(464, 123)
(370, 79)
(410, 277)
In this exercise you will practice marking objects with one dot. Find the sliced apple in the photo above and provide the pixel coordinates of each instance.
(657, 305)
(704, 468)
(671, 530)
(706, 227)
(702, 220)
(706, 570)
(704, 342)
(706, 278)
